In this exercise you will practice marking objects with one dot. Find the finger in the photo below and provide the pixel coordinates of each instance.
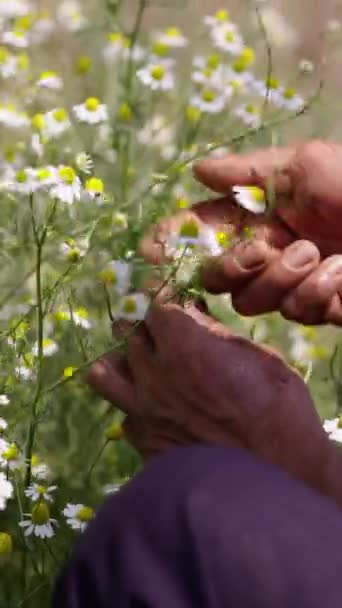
(266, 292)
(311, 302)
(252, 169)
(140, 354)
(237, 266)
(111, 378)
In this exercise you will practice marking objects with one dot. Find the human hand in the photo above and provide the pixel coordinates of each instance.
(293, 263)
(186, 378)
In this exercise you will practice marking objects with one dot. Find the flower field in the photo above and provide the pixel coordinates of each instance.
(102, 115)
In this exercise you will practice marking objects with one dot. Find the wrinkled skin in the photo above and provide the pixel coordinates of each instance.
(188, 379)
(294, 262)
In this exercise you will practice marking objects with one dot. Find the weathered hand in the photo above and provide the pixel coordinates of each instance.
(187, 378)
(294, 262)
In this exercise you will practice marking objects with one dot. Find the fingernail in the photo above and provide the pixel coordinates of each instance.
(333, 272)
(252, 257)
(299, 255)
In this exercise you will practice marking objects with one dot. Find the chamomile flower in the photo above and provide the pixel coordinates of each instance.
(12, 118)
(6, 543)
(8, 63)
(84, 163)
(210, 100)
(334, 429)
(50, 347)
(10, 456)
(221, 17)
(194, 237)
(4, 400)
(249, 114)
(80, 318)
(23, 371)
(94, 189)
(114, 47)
(157, 76)
(6, 491)
(227, 39)
(78, 516)
(10, 9)
(40, 470)
(57, 122)
(118, 275)
(68, 187)
(172, 37)
(269, 89)
(92, 111)
(45, 177)
(38, 493)
(251, 198)
(38, 522)
(69, 13)
(306, 66)
(156, 132)
(21, 182)
(15, 38)
(50, 80)
(3, 425)
(132, 307)
(291, 101)
(74, 250)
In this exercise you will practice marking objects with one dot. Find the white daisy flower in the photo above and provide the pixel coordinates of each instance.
(4, 400)
(40, 470)
(249, 114)
(74, 250)
(3, 425)
(50, 80)
(38, 522)
(269, 89)
(210, 101)
(251, 198)
(37, 492)
(84, 163)
(291, 101)
(114, 47)
(118, 275)
(191, 235)
(92, 111)
(68, 189)
(334, 429)
(16, 38)
(227, 39)
(20, 182)
(8, 63)
(23, 372)
(132, 307)
(50, 347)
(172, 37)
(13, 119)
(156, 132)
(6, 491)
(69, 13)
(220, 18)
(80, 317)
(10, 456)
(94, 189)
(78, 516)
(57, 122)
(306, 66)
(45, 177)
(157, 76)
(36, 145)
(10, 9)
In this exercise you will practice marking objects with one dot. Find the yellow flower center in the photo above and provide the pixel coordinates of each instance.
(214, 61)
(6, 543)
(25, 22)
(82, 312)
(173, 32)
(130, 306)
(35, 460)
(125, 112)
(193, 114)
(183, 203)
(272, 83)
(84, 64)
(47, 342)
(11, 454)
(44, 174)
(109, 276)
(92, 104)
(94, 184)
(158, 72)
(115, 37)
(23, 61)
(230, 36)
(190, 229)
(68, 175)
(290, 93)
(48, 74)
(208, 95)
(69, 372)
(40, 514)
(85, 514)
(38, 122)
(239, 66)
(257, 193)
(114, 432)
(252, 109)
(222, 15)
(62, 315)
(21, 176)
(10, 155)
(61, 115)
(223, 238)
(161, 49)
(247, 56)
(4, 55)
(41, 490)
